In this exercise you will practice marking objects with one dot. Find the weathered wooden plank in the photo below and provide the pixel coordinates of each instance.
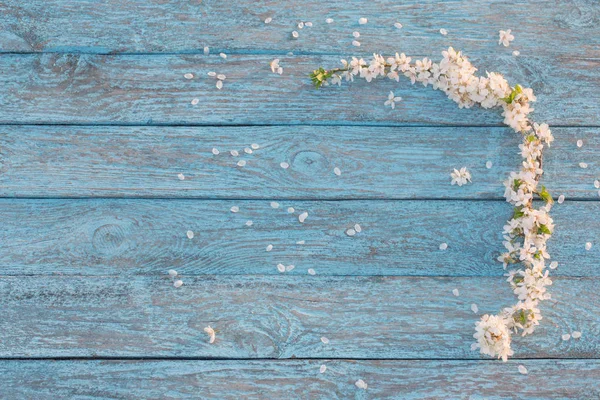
(142, 89)
(188, 26)
(300, 379)
(375, 162)
(114, 237)
(279, 317)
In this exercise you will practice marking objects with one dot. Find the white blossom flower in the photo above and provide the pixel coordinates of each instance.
(460, 177)
(493, 337)
(391, 101)
(505, 38)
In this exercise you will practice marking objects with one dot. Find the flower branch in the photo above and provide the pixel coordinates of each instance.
(526, 233)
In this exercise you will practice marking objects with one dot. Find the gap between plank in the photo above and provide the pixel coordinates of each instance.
(166, 358)
(299, 124)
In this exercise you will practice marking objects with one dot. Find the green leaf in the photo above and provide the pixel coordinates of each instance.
(543, 229)
(511, 97)
(518, 213)
(516, 184)
(545, 195)
(320, 76)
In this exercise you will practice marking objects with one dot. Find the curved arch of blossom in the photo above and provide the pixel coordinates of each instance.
(529, 228)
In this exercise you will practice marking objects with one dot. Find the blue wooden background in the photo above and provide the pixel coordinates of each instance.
(96, 123)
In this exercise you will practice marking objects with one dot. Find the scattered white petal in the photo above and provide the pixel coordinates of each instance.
(234, 153)
(195, 101)
(443, 246)
(178, 283)
(275, 67)
(268, 20)
(300, 242)
(505, 38)
(241, 163)
(280, 267)
(172, 273)
(309, 24)
(362, 21)
(295, 35)
(255, 146)
(234, 209)
(489, 164)
(554, 265)
(215, 151)
(566, 337)
(221, 77)
(576, 334)
(356, 34)
(188, 76)
(300, 25)
(212, 73)
(284, 165)
(323, 369)
(583, 165)
(455, 292)
(597, 184)
(302, 217)
(561, 199)
(355, 43)
(274, 204)
(206, 50)
(324, 340)
(350, 232)
(289, 267)
(443, 31)
(516, 53)
(223, 56)
(337, 171)
(270, 247)
(248, 150)
(181, 176)
(522, 370)
(579, 143)
(398, 25)
(290, 210)
(357, 228)
(329, 20)
(249, 223)
(361, 384)
(211, 334)
(588, 246)
(311, 271)
(474, 308)
(190, 234)
(219, 85)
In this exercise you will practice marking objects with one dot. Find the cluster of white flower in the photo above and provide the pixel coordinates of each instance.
(527, 232)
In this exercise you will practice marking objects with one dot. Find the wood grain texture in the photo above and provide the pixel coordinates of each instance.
(376, 162)
(131, 237)
(280, 317)
(188, 26)
(300, 379)
(151, 89)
